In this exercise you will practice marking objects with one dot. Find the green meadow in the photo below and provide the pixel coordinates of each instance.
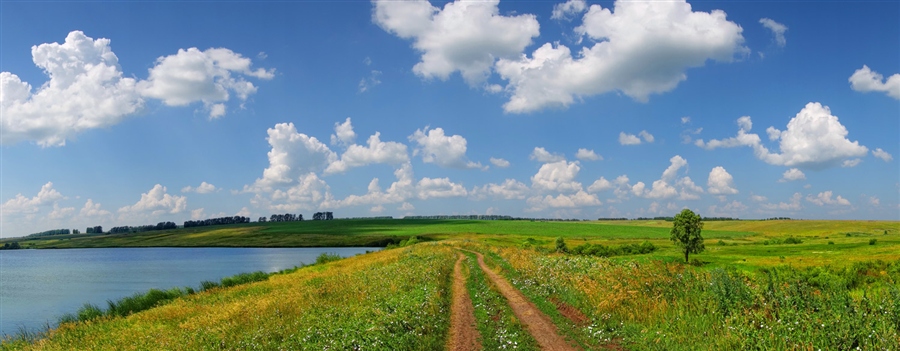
(759, 285)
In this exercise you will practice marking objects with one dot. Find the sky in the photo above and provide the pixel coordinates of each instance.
(132, 113)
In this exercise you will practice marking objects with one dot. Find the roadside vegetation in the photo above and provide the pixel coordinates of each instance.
(756, 285)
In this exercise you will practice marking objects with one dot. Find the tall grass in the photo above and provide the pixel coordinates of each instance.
(669, 306)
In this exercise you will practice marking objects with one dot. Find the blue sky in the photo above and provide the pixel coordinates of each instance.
(138, 112)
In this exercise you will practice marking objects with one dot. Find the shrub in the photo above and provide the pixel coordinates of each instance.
(792, 240)
(561, 245)
(327, 257)
(872, 241)
(831, 243)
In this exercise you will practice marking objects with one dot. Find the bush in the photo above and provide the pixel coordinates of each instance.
(792, 240)
(561, 245)
(872, 241)
(327, 257)
(831, 243)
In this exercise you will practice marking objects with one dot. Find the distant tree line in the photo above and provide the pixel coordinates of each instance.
(720, 219)
(471, 217)
(217, 221)
(374, 217)
(612, 219)
(289, 217)
(778, 219)
(11, 246)
(668, 219)
(143, 228)
(50, 232)
(323, 216)
(94, 230)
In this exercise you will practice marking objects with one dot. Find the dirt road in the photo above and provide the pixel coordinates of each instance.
(538, 324)
(463, 334)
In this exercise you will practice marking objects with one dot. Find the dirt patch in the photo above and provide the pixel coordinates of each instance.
(463, 334)
(538, 324)
(570, 312)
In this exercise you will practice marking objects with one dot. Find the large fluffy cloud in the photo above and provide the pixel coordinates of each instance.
(439, 187)
(23, 205)
(445, 151)
(576, 200)
(156, 202)
(375, 151)
(464, 36)
(825, 198)
(87, 88)
(641, 48)
(557, 177)
(720, 182)
(293, 154)
(814, 138)
(866, 80)
(208, 76)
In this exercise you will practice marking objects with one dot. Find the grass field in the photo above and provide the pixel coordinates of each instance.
(833, 285)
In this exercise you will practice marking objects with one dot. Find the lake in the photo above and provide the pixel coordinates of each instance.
(38, 286)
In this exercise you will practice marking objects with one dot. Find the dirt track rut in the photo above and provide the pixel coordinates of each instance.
(463, 334)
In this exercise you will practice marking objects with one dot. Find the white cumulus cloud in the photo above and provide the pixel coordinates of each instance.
(375, 151)
(557, 177)
(792, 174)
(587, 155)
(825, 198)
(465, 36)
(293, 154)
(343, 133)
(720, 182)
(156, 202)
(86, 90)
(567, 10)
(203, 188)
(600, 185)
(23, 205)
(439, 187)
(445, 151)
(866, 80)
(542, 155)
(814, 139)
(576, 200)
(210, 76)
(640, 48)
(499, 162)
(510, 189)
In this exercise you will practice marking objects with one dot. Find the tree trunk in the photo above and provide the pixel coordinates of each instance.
(685, 257)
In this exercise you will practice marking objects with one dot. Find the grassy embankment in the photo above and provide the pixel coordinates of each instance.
(385, 300)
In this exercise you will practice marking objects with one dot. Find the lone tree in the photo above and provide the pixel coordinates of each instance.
(686, 233)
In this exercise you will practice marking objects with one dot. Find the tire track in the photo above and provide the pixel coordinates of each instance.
(463, 334)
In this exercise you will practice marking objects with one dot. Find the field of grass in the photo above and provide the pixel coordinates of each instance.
(792, 285)
(359, 233)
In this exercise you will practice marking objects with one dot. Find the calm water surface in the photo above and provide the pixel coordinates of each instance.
(38, 286)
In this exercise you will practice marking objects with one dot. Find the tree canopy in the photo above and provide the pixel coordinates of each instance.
(686, 233)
